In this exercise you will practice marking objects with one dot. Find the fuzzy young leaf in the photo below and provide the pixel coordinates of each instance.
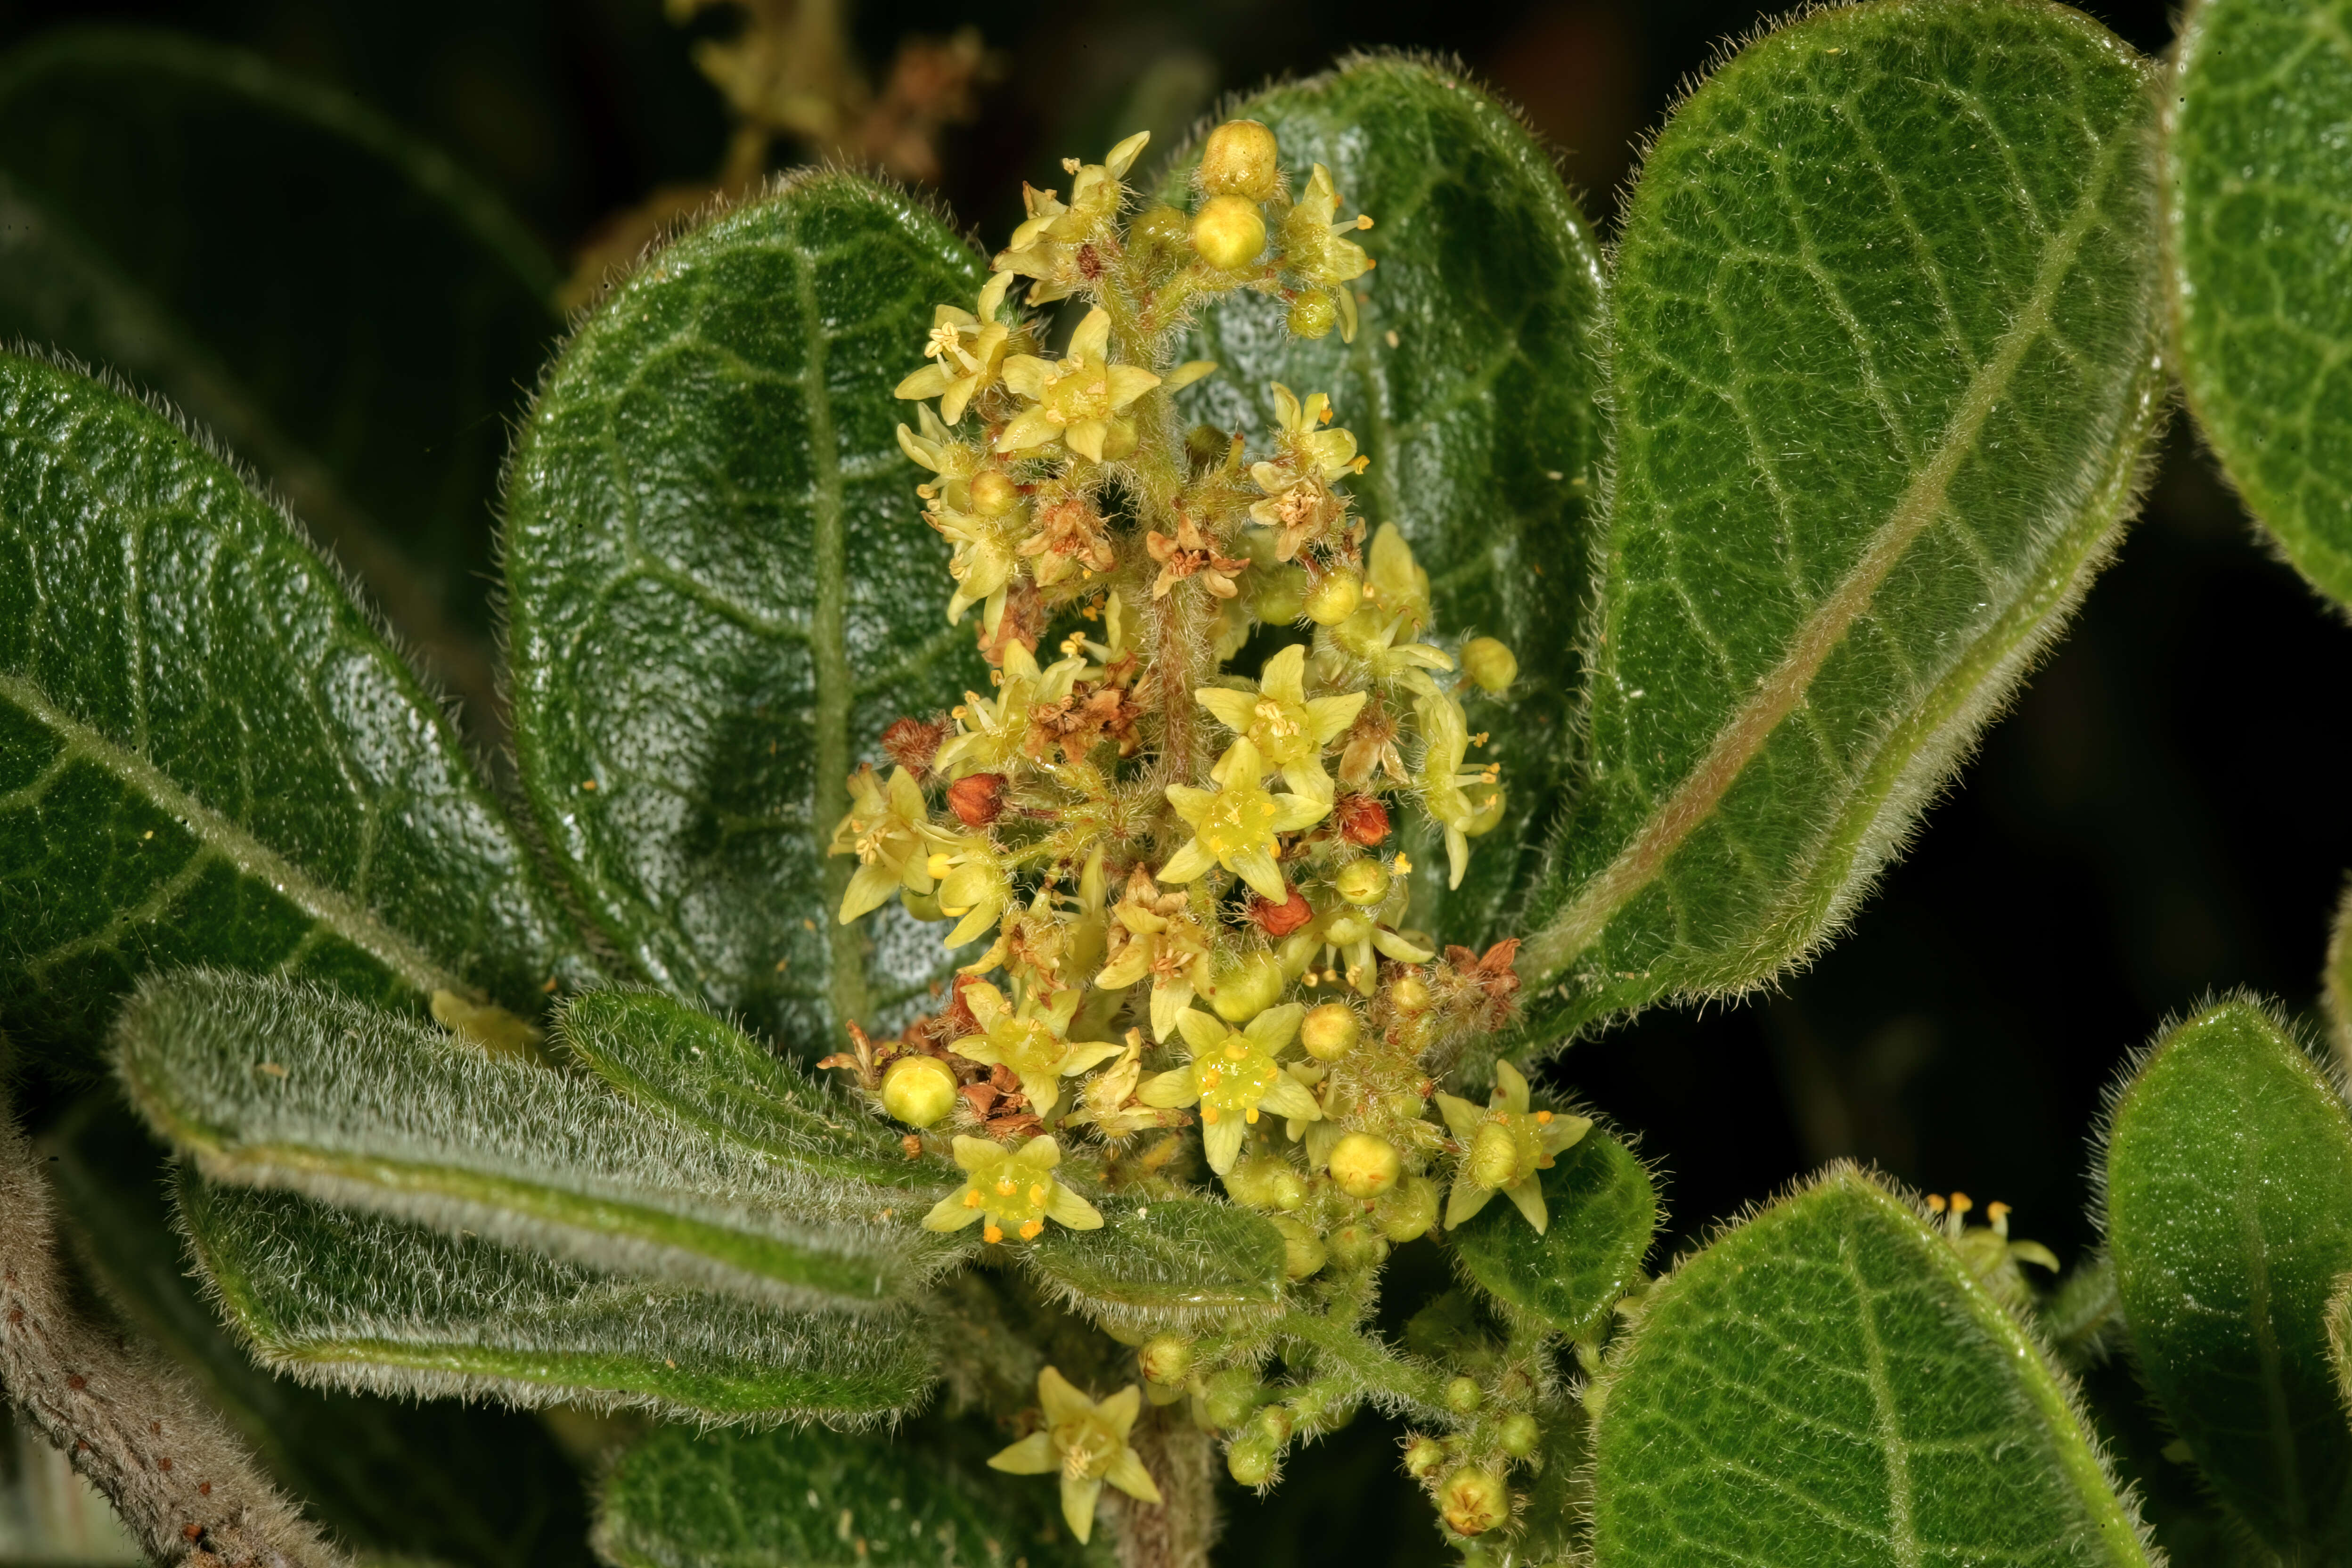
(1175, 1261)
(1471, 385)
(2335, 986)
(336, 299)
(363, 1301)
(209, 754)
(1828, 1385)
(1884, 367)
(2257, 189)
(794, 1499)
(280, 1085)
(2229, 1215)
(1603, 1210)
(442, 1481)
(682, 1063)
(722, 592)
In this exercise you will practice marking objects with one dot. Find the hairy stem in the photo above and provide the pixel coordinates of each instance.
(1179, 1532)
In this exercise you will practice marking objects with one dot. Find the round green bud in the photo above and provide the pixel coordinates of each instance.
(1274, 1425)
(1250, 1461)
(1473, 1500)
(1517, 1434)
(1346, 926)
(1228, 232)
(1363, 883)
(1165, 1359)
(1423, 1456)
(1408, 993)
(1363, 1166)
(994, 492)
(1281, 594)
(1303, 1251)
(1241, 159)
(1462, 1396)
(1328, 1032)
(1490, 663)
(1494, 1157)
(1288, 1190)
(919, 1090)
(1406, 1214)
(1256, 1181)
(1230, 1395)
(1250, 986)
(922, 906)
(1312, 315)
(1160, 227)
(1335, 597)
(1120, 441)
(1357, 1247)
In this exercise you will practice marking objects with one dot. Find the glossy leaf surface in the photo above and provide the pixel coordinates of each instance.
(1169, 1261)
(1884, 334)
(275, 1085)
(1471, 386)
(2257, 187)
(335, 298)
(2229, 1218)
(363, 1302)
(722, 592)
(209, 753)
(1828, 1385)
(1602, 1210)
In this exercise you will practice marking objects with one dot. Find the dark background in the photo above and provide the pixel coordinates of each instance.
(2161, 813)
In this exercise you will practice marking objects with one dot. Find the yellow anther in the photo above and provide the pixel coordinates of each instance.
(971, 1199)
(938, 867)
(1208, 1116)
(1935, 1203)
(1404, 865)
(1960, 1204)
(1006, 1186)
(991, 1234)
(1251, 1115)
(1029, 1231)
(1543, 1118)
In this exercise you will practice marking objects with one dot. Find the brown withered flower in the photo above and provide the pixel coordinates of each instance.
(1489, 984)
(1372, 743)
(1278, 921)
(1361, 818)
(1189, 553)
(1024, 622)
(1076, 724)
(912, 742)
(977, 799)
(1070, 532)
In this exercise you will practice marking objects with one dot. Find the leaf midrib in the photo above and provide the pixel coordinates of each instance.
(1783, 691)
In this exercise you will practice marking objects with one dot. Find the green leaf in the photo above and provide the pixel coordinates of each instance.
(1163, 1263)
(683, 1064)
(1884, 368)
(1471, 386)
(2256, 188)
(1603, 1211)
(796, 1499)
(2335, 986)
(280, 1085)
(1828, 1385)
(722, 592)
(363, 1301)
(338, 301)
(2229, 1215)
(443, 1481)
(209, 754)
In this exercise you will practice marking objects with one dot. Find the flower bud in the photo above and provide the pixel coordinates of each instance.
(1250, 1461)
(1423, 1456)
(919, 1090)
(1462, 1396)
(977, 800)
(1265, 1182)
(1312, 315)
(1205, 446)
(1281, 593)
(1252, 983)
(1165, 1359)
(1303, 1250)
(1228, 232)
(1357, 1247)
(1494, 1157)
(1334, 598)
(1517, 1434)
(1240, 160)
(1274, 1425)
(1363, 1166)
(994, 492)
(1229, 1396)
(1473, 1500)
(1159, 227)
(1329, 1031)
(1486, 661)
(1408, 1212)
(1364, 883)
(1489, 813)
(1363, 820)
(1408, 993)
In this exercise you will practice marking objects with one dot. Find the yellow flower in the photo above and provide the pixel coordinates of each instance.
(1086, 1441)
(934, 446)
(1235, 825)
(1356, 934)
(1289, 730)
(1396, 605)
(1155, 934)
(1029, 1040)
(969, 350)
(1074, 399)
(987, 549)
(1315, 248)
(1504, 1146)
(1012, 1188)
(889, 829)
(991, 734)
(1298, 486)
(1046, 246)
(1109, 1099)
(1232, 1076)
(1443, 778)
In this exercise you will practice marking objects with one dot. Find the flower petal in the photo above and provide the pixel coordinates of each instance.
(1284, 677)
(1223, 1140)
(868, 890)
(1461, 1118)
(1204, 1032)
(950, 1213)
(1468, 1198)
(1060, 1398)
(1191, 371)
(1078, 1498)
(929, 382)
(1510, 1090)
(1528, 1195)
(1127, 383)
(1085, 438)
(1293, 812)
(1030, 428)
(1276, 1027)
(1032, 1455)
(1287, 1098)
(1190, 804)
(1233, 710)
(1255, 866)
(1092, 338)
(1127, 1474)
(1188, 863)
(1072, 1210)
(1168, 1091)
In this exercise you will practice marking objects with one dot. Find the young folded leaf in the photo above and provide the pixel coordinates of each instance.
(680, 1062)
(1827, 1384)
(2229, 1217)
(722, 592)
(1477, 343)
(1883, 370)
(2255, 192)
(363, 1301)
(1165, 1263)
(210, 754)
(273, 1084)
(1603, 1209)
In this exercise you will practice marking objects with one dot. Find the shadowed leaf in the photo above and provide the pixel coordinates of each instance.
(1602, 1210)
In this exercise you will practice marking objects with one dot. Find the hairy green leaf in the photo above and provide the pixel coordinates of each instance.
(2229, 1215)
(209, 754)
(279, 1085)
(2257, 186)
(683, 1063)
(1884, 368)
(1828, 1385)
(339, 301)
(792, 1498)
(1471, 386)
(1180, 1260)
(2335, 986)
(453, 1483)
(353, 1300)
(1603, 1211)
(722, 592)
